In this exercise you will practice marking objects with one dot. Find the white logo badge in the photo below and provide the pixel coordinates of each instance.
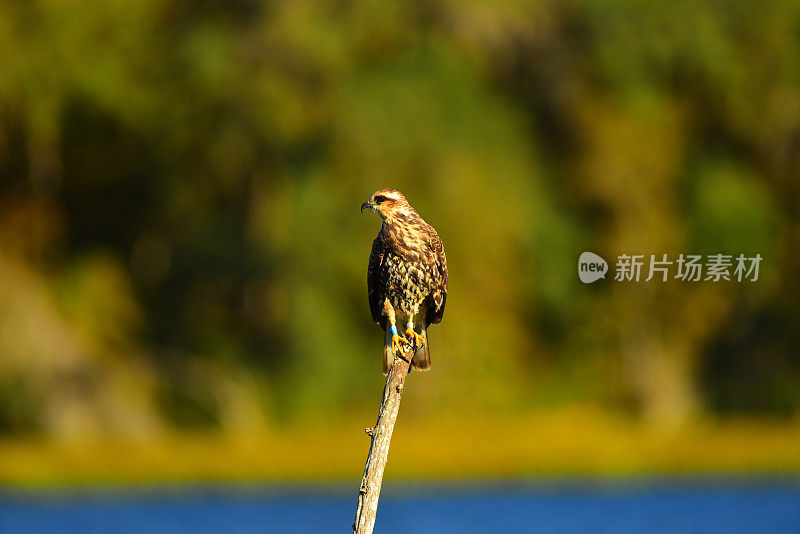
(591, 267)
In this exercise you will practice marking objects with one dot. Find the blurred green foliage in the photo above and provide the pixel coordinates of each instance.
(180, 241)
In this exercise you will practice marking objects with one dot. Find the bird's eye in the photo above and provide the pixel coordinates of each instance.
(379, 199)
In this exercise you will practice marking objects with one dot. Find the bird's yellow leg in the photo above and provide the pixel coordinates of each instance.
(413, 338)
(397, 341)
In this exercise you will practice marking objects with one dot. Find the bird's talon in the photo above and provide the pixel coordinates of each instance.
(414, 339)
(397, 344)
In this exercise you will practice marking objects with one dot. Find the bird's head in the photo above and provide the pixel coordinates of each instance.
(387, 203)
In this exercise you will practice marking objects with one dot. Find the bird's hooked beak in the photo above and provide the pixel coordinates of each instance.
(368, 204)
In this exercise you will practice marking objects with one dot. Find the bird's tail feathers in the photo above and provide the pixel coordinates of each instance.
(388, 357)
(421, 361)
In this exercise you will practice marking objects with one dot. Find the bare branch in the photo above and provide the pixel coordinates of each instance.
(381, 436)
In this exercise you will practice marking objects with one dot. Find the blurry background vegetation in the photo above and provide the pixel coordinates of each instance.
(181, 251)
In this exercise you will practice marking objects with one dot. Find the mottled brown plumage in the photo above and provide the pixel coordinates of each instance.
(407, 275)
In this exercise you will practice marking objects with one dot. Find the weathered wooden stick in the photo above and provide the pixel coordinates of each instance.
(381, 435)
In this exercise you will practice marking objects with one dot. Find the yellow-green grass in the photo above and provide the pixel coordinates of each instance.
(580, 442)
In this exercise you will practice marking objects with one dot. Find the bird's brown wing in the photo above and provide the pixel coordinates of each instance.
(438, 296)
(374, 285)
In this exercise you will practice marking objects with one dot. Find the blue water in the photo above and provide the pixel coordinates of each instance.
(703, 507)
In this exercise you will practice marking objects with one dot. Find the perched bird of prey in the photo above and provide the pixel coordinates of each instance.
(406, 278)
